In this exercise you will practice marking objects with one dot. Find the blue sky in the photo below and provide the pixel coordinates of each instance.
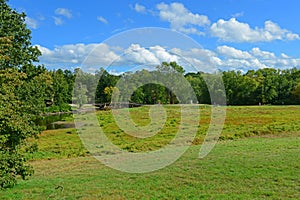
(232, 34)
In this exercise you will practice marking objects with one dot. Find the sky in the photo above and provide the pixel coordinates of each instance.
(198, 34)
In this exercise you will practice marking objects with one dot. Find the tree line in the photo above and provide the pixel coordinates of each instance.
(255, 87)
(55, 88)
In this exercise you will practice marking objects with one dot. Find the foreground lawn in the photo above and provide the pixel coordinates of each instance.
(252, 168)
(257, 157)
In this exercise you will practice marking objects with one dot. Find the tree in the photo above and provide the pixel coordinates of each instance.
(22, 93)
(70, 79)
(267, 92)
(103, 80)
(16, 124)
(195, 81)
(80, 94)
(60, 88)
(172, 75)
(80, 90)
(296, 91)
(109, 91)
(18, 51)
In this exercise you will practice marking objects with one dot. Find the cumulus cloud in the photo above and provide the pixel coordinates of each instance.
(236, 15)
(139, 8)
(32, 23)
(155, 55)
(102, 19)
(60, 13)
(230, 58)
(63, 12)
(58, 21)
(283, 55)
(292, 36)
(192, 60)
(231, 52)
(162, 54)
(254, 59)
(102, 55)
(199, 59)
(136, 54)
(262, 54)
(181, 19)
(94, 56)
(90, 55)
(235, 31)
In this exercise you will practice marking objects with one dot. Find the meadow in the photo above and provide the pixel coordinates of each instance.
(257, 157)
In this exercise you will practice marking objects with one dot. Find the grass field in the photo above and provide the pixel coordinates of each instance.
(257, 157)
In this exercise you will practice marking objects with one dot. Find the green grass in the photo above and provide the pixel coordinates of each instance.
(241, 121)
(60, 143)
(257, 157)
(253, 168)
(256, 120)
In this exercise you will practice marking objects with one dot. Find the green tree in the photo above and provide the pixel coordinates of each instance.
(60, 90)
(80, 94)
(17, 51)
(109, 92)
(22, 93)
(70, 79)
(173, 75)
(296, 92)
(266, 91)
(103, 79)
(16, 124)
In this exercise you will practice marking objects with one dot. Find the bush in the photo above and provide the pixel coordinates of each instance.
(12, 165)
(52, 109)
(65, 107)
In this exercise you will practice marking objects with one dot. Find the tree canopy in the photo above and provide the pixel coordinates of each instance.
(22, 93)
(263, 86)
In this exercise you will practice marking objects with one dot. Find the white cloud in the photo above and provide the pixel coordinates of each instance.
(58, 21)
(233, 58)
(32, 23)
(139, 8)
(63, 12)
(135, 54)
(191, 60)
(236, 15)
(162, 55)
(198, 59)
(94, 56)
(292, 36)
(231, 52)
(262, 54)
(102, 19)
(283, 55)
(254, 59)
(235, 31)
(90, 55)
(181, 19)
(101, 55)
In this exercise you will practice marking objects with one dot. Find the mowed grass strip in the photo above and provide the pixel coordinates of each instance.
(251, 168)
